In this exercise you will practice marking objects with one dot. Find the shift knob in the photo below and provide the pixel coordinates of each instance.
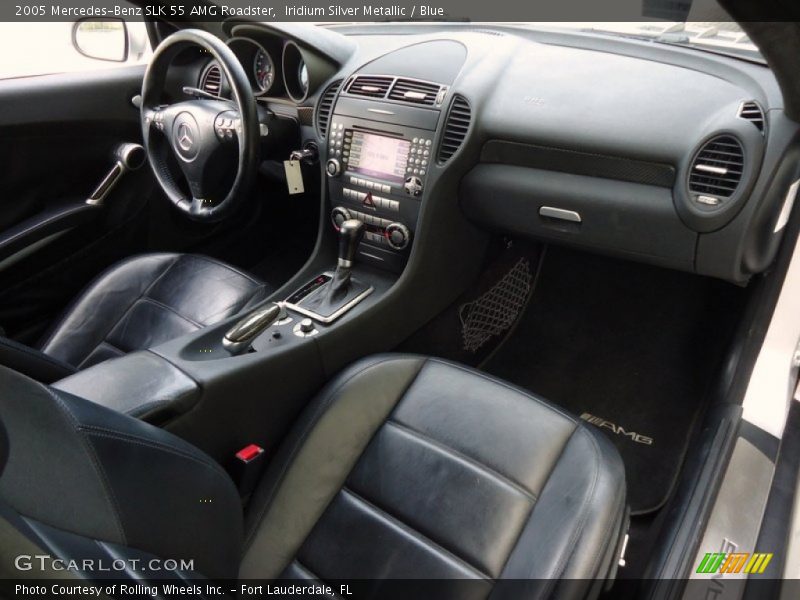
(350, 234)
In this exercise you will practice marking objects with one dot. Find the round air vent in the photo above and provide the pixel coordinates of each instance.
(716, 171)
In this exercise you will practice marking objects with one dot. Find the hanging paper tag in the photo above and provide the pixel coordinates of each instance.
(294, 176)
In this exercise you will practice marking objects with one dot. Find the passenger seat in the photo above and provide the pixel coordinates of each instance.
(402, 468)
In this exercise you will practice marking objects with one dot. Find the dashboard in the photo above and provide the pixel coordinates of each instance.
(658, 154)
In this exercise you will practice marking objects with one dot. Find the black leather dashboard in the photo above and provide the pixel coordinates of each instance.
(661, 154)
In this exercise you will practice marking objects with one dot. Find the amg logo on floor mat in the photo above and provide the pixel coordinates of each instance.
(618, 429)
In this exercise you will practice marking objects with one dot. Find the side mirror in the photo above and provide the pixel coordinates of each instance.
(101, 39)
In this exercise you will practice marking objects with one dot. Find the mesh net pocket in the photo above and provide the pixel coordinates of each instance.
(495, 311)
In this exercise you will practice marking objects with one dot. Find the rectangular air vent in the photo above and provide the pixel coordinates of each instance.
(371, 86)
(416, 92)
(325, 107)
(455, 128)
(211, 81)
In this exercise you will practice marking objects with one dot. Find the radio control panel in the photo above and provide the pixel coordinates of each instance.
(376, 174)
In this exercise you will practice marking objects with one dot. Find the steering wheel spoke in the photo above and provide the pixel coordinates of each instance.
(199, 206)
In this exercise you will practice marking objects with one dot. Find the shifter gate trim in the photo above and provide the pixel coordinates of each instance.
(334, 316)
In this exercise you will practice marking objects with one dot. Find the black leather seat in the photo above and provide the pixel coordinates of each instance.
(135, 305)
(402, 467)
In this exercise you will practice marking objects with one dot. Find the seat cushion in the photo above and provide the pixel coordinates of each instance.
(411, 467)
(148, 300)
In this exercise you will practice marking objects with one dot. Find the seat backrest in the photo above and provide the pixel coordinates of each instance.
(79, 471)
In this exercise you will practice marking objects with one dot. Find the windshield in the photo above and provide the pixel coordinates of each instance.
(724, 37)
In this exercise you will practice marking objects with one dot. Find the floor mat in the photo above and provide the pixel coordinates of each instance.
(630, 348)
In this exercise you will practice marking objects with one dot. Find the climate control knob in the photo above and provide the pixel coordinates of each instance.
(398, 236)
(333, 167)
(339, 215)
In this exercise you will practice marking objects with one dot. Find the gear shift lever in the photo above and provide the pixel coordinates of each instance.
(328, 298)
(350, 234)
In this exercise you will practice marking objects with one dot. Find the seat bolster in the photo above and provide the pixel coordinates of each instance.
(580, 513)
(32, 362)
(314, 462)
(91, 471)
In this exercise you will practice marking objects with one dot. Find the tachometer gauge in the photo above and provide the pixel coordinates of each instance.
(263, 70)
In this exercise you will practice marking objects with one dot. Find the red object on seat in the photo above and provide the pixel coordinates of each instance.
(250, 452)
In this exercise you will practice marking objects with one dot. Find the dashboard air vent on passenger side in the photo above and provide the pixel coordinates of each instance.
(416, 92)
(752, 112)
(455, 128)
(373, 86)
(325, 107)
(716, 170)
(211, 81)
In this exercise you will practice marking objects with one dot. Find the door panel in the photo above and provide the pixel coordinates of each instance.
(58, 136)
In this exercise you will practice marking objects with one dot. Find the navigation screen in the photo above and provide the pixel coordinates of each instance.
(379, 156)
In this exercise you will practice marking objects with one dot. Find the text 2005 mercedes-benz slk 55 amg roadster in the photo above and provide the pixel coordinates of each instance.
(399, 309)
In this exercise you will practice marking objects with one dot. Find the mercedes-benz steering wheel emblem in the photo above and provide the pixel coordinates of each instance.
(186, 136)
(185, 140)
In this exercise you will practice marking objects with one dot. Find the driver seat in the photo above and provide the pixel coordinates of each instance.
(136, 304)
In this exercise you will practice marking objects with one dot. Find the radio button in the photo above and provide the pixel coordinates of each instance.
(333, 168)
(413, 186)
(386, 189)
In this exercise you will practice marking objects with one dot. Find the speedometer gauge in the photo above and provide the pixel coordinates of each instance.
(263, 70)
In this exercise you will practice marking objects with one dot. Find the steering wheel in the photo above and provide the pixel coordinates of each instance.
(200, 134)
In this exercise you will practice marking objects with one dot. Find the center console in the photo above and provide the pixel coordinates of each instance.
(245, 380)
(377, 171)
